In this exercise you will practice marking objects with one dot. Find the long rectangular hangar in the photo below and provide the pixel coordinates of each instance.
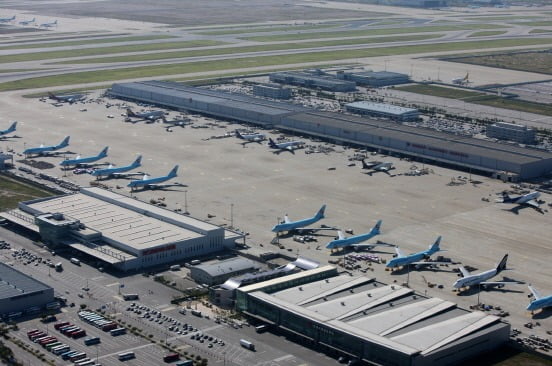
(122, 231)
(364, 319)
(432, 146)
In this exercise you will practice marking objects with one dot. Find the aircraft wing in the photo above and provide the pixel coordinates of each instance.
(465, 272)
(429, 263)
(398, 251)
(533, 203)
(497, 283)
(535, 292)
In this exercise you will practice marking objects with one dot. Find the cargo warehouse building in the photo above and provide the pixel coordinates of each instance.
(480, 156)
(21, 294)
(385, 110)
(374, 78)
(361, 318)
(313, 80)
(120, 231)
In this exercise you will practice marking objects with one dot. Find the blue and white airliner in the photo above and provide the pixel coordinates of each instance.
(44, 149)
(86, 160)
(153, 183)
(114, 171)
(540, 302)
(402, 260)
(288, 225)
(353, 241)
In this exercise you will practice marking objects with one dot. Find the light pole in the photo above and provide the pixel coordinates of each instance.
(231, 216)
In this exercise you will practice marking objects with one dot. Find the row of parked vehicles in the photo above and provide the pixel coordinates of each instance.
(101, 322)
(58, 348)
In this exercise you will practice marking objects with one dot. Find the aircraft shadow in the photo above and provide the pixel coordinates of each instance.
(515, 210)
(474, 290)
(543, 314)
(167, 189)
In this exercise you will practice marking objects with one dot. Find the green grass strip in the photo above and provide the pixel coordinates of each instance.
(13, 192)
(106, 50)
(486, 33)
(261, 48)
(85, 42)
(439, 91)
(371, 32)
(538, 31)
(290, 28)
(248, 62)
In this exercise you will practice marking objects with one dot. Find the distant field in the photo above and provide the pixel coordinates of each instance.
(500, 18)
(12, 192)
(85, 42)
(247, 62)
(537, 31)
(234, 50)
(289, 28)
(538, 23)
(479, 98)
(371, 32)
(106, 50)
(525, 61)
(486, 33)
(42, 39)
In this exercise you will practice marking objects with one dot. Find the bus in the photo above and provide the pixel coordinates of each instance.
(246, 344)
(128, 297)
(171, 357)
(261, 328)
(86, 362)
(61, 349)
(78, 334)
(92, 340)
(75, 261)
(36, 336)
(109, 326)
(126, 356)
(59, 325)
(117, 331)
(66, 355)
(78, 356)
(185, 363)
(49, 346)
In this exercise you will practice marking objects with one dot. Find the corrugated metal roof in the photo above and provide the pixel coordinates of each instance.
(219, 268)
(14, 283)
(381, 108)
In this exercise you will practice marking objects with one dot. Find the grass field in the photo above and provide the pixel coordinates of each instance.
(544, 23)
(42, 38)
(479, 98)
(85, 42)
(525, 61)
(12, 192)
(537, 31)
(248, 62)
(289, 28)
(486, 33)
(106, 50)
(371, 32)
(501, 18)
(234, 50)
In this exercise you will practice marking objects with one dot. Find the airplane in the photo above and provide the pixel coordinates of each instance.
(286, 146)
(66, 98)
(377, 166)
(27, 22)
(177, 122)
(147, 182)
(49, 25)
(150, 116)
(90, 159)
(528, 199)
(42, 149)
(288, 225)
(353, 241)
(468, 279)
(251, 137)
(462, 81)
(114, 171)
(402, 260)
(539, 302)
(9, 129)
(7, 20)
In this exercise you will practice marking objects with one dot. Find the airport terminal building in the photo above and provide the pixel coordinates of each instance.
(363, 319)
(479, 156)
(120, 231)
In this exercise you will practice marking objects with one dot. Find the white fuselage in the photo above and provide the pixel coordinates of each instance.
(476, 279)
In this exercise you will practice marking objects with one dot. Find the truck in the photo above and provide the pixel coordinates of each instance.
(59, 267)
(246, 344)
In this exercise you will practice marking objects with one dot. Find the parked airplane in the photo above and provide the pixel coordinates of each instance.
(462, 81)
(147, 182)
(7, 20)
(468, 279)
(539, 302)
(377, 167)
(49, 25)
(402, 260)
(27, 22)
(42, 149)
(114, 171)
(529, 199)
(66, 98)
(90, 159)
(286, 146)
(177, 122)
(288, 225)
(150, 116)
(353, 241)
(9, 129)
(251, 137)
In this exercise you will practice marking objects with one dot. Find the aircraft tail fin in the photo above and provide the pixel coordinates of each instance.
(172, 173)
(130, 113)
(52, 95)
(364, 165)
(12, 127)
(104, 151)
(435, 246)
(138, 161)
(376, 228)
(320, 213)
(271, 143)
(502, 265)
(534, 292)
(64, 143)
(239, 135)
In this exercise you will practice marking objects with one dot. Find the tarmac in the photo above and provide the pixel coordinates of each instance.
(252, 188)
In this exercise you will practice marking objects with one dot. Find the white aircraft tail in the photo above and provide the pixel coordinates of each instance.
(535, 293)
